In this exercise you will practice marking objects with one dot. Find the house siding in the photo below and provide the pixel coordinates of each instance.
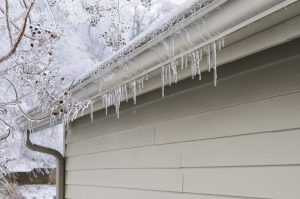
(238, 140)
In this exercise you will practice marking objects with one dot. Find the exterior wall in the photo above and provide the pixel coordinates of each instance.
(238, 140)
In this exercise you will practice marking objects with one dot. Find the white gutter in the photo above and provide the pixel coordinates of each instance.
(216, 21)
(235, 20)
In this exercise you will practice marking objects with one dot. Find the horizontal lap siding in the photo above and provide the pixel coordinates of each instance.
(241, 139)
(277, 113)
(93, 192)
(152, 179)
(260, 182)
(282, 148)
(125, 139)
(241, 88)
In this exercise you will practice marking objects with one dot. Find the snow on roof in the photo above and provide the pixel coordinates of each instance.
(156, 29)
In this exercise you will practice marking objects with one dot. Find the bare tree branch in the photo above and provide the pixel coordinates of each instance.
(13, 22)
(19, 38)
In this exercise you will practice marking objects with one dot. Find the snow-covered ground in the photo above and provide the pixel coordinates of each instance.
(38, 191)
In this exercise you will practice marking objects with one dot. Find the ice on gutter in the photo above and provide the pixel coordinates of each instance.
(150, 39)
(156, 29)
(201, 33)
(123, 74)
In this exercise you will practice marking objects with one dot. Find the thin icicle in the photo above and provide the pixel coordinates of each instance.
(208, 57)
(214, 55)
(169, 74)
(186, 61)
(133, 87)
(198, 64)
(193, 65)
(106, 98)
(173, 66)
(182, 62)
(126, 92)
(118, 99)
(162, 81)
(166, 73)
(139, 85)
(142, 82)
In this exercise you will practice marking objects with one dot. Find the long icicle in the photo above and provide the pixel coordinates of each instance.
(214, 56)
(162, 81)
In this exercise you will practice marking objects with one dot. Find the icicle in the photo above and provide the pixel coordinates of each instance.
(208, 57)
(193, 69)
(214, 54)
(142, 82)
(182, 62)
(105, 102)
(163, 81)
(166, 73)
(133, 87)
(198, 64)
(118, 99)
(186, 61)
(169, 74)
(174, 71)
(139, 85)
(126, 92)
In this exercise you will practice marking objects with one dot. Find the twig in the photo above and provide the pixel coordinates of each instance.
(20, 108)
(7, 22)
(5, 136)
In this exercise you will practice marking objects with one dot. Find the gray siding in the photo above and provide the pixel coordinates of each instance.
(238, 140)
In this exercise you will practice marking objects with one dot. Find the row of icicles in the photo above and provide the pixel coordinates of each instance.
(169, 75)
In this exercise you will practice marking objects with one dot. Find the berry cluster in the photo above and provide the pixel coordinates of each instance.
(39, 35)
(99, 11)
(113, 37)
